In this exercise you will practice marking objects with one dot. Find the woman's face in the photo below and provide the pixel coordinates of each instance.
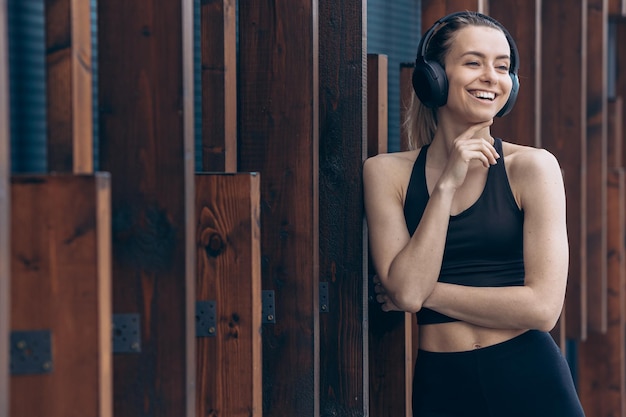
(477, 67)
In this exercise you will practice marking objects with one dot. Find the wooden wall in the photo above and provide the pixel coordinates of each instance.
(5, 220)
(243, 289)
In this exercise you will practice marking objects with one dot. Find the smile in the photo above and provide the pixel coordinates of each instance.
(485, 95)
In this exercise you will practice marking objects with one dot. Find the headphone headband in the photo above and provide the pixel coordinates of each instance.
(429, 79)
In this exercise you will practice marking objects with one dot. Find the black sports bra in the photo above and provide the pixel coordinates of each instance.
(484, 244)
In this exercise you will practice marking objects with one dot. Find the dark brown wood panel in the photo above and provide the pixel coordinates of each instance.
(219, 86)
(596, 169)
(436, 9)
(377, 105)
(5, 213)
(601, 362)
(563, 132)
(617, 7)
(278, 131)
(620, 87)
(61, 282)
(69, 86)
(228, 247)
(146, 139)
(387, 336)
(343, 127)
(521, 19)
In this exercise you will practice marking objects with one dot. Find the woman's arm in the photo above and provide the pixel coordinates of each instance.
(539, 185)
(408, 266)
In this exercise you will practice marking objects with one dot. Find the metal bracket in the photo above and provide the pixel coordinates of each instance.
(31, 352)
(323, 295)
(268, 309)
(206, 323)
(126, 333)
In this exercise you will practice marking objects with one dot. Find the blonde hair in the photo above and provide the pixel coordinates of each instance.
(420, 122)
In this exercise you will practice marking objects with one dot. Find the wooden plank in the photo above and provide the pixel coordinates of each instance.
(5, 213)
(387, 337)
(229, 380)
(219, 86)
(563, 132)
(522, 19)
(343, 121)
(61, 282)
(69, 86)
(615, 133)
(279, 137)
(146, 137)
(596, 158)
(432, 10)
(377, 105)
(601, 362)
(620, 87)
(617, 8)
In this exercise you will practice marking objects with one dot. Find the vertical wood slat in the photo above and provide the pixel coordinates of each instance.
(620, 87)
(563, 131)
(61, 282)
(146, 138)
(377, 105)
(602, 361)
(69, 86)
(229, 365)
(617, 8)
(387, 331)
(5, 212)
(219, 86)
(596, 158)
(522, 19)
(278, 94)
(343, 126)
(436, 9)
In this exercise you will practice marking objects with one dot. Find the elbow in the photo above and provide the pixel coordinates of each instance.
(545, 319)
(409, 303)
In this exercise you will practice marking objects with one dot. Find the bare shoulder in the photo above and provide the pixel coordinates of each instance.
(529, 162)
(389, 168)
(534, 174)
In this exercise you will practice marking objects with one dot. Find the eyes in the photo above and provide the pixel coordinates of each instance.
(502, 67)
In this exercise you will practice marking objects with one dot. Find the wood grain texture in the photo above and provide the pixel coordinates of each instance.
(601, 361)
(278, 132)
(69, 86)
(522, 19)
(343, 127)
(377, 105)
(596, 158)
(61, 282)
(432, 10)
(219, 86)
(563, 132)
(228, 246)
(5, 213)
(146, 139)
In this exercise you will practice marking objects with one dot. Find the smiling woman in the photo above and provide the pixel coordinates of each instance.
(468, 231)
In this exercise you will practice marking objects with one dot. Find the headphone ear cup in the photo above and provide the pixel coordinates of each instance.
(508, 106)
(430, 83)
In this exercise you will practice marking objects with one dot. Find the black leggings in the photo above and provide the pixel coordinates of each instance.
(526, 376)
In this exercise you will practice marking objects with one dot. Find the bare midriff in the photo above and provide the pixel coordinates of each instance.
(460, 336)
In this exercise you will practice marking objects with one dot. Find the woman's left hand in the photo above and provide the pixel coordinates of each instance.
(382, 297)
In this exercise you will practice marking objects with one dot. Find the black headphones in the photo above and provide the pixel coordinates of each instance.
(429, 78)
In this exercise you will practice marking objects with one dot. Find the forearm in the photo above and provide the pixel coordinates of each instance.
(516, 307)
(408, 285)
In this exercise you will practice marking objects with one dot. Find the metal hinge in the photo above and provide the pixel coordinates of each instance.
(31, 352)
(323, 295)
(126, 333)
(206, 323)
(268, 307)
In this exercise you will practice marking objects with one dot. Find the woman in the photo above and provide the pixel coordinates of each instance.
(468, 231)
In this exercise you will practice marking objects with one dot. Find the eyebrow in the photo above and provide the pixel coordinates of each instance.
(481, 55)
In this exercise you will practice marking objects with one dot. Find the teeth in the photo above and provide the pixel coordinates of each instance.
(484, 94)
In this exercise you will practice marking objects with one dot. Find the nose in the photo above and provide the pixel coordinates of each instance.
(489, 74)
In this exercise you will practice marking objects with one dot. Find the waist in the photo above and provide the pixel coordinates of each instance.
(460, 336)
